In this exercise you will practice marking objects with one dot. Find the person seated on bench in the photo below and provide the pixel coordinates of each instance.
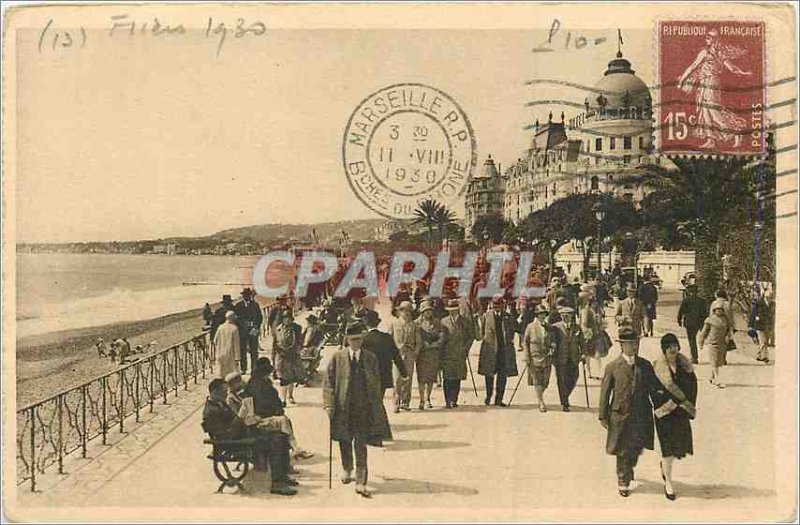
(222, 423)
(267, 406)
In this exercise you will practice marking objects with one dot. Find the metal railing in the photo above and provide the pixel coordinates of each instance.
(51, 429)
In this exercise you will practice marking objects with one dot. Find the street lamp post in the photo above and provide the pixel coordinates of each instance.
(599, 214)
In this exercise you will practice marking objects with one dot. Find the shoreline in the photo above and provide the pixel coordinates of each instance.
(50, 363)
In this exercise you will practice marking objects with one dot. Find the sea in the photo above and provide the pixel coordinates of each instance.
(66, 291)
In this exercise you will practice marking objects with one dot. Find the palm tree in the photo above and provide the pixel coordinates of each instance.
(426, 214)
(444, 218)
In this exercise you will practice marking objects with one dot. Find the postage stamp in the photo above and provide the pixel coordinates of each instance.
(406, 143)
(712, 96)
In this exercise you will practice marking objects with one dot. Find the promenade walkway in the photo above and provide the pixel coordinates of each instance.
(472, 463)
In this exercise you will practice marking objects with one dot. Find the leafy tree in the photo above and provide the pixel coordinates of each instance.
(444, 219)
(489, 226)
(426, 214)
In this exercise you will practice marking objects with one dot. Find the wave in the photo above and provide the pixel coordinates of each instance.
(119, 305)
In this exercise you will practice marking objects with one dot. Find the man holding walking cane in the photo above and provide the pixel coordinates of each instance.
(538, 347)
(351, 396)
(455, 353)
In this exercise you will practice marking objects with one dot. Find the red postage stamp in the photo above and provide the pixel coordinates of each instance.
(711, 87)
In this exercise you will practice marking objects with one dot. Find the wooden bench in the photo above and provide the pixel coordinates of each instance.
(225, 452)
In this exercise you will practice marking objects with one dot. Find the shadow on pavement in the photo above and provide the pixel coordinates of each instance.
(720, 491)
(411, 486)
(400, 427)
(413, 444)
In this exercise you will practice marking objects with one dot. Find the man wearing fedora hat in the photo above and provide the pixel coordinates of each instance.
(406, 334)
(382, 345)
(219, 314)
(630, 311)
(570, 350)
(249, 319)
(497, 356)
(351, 397)
(626, 407)
(458, 340)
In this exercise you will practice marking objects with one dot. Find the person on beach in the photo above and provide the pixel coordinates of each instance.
(674, 399)
(101, 348)
(626, 408)
(538, 347)
(226, 342)
(714, 339)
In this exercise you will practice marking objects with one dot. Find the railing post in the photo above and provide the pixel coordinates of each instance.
(33, 449)
(194, 361)
(60, 405)
(136, 390)
(152, 381)
(121, 401)
(83, 421)
(185, 348)
(105, 412)
(164, 374)
(175, 370)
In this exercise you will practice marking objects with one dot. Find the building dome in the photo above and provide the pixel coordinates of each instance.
(619, 88)
(489, 170)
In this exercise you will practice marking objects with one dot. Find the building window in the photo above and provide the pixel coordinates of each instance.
(641, 143)
(627, 142)
(595, 183)
(626, 159)
(598, 144)
(612, 143)
(628, 197)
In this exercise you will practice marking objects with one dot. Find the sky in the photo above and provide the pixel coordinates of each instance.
(143, 137)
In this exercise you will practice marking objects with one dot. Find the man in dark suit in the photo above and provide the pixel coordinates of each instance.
(249, 319)
(570, 351)
(497, 357)
(382, 345)
(218, 318)
(691, 315)
(626, 408)
(351, 398)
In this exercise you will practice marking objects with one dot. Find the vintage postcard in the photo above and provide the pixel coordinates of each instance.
(400, 262)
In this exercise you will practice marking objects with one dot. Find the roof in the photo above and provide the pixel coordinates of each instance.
(619, 87)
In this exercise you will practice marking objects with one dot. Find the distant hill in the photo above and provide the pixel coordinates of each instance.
(358, 230)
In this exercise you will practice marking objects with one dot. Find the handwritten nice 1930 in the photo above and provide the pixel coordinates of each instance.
(55, 39)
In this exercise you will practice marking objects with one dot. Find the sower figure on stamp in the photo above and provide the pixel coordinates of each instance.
(351, 397)
(570, 350)
(407, 338)
(455, 353)
(497, 356)
(626, 408)
(538, 347)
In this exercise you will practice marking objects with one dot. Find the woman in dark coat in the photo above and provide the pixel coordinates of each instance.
(674, 401)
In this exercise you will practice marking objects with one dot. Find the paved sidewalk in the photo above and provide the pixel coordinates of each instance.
(475, 462)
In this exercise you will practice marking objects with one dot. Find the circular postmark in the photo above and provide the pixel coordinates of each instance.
(406, 143)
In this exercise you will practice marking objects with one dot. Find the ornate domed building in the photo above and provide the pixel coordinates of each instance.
(606, 148)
